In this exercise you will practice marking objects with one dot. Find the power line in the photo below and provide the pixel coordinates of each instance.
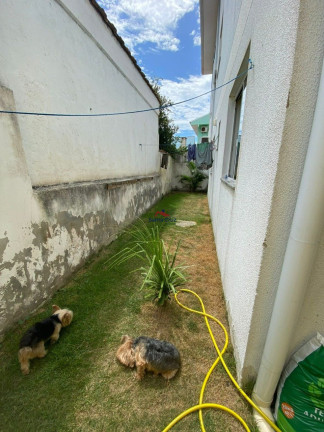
(128, 112)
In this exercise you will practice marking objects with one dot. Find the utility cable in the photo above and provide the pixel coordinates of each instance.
(161, 107)
(201, 405)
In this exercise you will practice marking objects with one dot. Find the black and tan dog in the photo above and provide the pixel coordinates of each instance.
(149, 354)
(32, 342)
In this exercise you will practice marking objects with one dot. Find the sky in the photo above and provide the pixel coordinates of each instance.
(164, 38)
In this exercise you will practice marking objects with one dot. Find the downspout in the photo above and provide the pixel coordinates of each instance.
(302, 246)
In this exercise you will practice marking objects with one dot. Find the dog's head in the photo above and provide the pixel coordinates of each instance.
(64, 315)
(125, 353)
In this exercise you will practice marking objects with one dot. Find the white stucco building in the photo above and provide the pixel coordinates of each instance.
(67, 184)
(268, 232)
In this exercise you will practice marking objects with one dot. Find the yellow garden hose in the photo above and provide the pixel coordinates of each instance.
(201, 405)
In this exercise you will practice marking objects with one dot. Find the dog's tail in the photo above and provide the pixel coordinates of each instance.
(24, 355)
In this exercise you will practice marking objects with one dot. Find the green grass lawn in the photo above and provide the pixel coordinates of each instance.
(79, 386)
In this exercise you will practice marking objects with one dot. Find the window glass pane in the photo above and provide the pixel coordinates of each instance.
(242, 114)
(237, 131)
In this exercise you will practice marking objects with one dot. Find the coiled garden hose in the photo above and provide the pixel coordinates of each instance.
(202, 405)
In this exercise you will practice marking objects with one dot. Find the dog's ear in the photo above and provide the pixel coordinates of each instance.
(66, 319)
(55, 308)
(124, 339)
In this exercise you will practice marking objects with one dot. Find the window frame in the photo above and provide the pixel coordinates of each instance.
(230, 175)
(237, 127)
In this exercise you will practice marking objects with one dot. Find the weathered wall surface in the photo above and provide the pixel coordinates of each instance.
(68, 185)
(166, 172)
(76, 222)
(48, 232)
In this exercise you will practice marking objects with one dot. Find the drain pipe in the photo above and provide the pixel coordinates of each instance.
(302, 246)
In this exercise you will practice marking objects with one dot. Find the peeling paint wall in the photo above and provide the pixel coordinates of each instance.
(76, 222)
(67, 185)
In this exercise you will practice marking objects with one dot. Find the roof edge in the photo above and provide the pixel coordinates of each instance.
(209, 10)
(113, 29)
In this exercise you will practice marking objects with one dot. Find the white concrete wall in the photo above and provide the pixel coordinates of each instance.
(251, 222)
(167, 174)
(47, 233)
(67, 185)
(59, 56)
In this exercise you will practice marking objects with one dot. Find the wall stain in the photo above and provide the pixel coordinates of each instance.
(3, 245)
(41, 233)
(78, 222)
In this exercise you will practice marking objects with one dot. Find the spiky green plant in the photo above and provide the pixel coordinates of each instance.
(195, 178)
(161, 276)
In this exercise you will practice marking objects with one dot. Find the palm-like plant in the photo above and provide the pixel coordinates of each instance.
(161, 276)
(195, 178)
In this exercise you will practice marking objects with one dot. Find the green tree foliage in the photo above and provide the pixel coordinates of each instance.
(167, 129)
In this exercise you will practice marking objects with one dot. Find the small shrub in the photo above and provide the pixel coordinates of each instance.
(161, 276)
(195, 178)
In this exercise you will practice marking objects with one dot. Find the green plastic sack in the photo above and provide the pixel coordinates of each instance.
(300, 396)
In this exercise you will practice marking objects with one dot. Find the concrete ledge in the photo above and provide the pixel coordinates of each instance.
(231, 183)
(111, 183)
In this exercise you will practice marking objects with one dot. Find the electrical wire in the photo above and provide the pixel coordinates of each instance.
(201, 405)
(161, 107)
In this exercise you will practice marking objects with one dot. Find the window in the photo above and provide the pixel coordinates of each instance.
(204, 139)
(237, 131)
(233, 132)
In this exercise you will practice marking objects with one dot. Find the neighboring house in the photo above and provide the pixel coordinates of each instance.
(68, 184)
(265, 194)
(201, 127)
